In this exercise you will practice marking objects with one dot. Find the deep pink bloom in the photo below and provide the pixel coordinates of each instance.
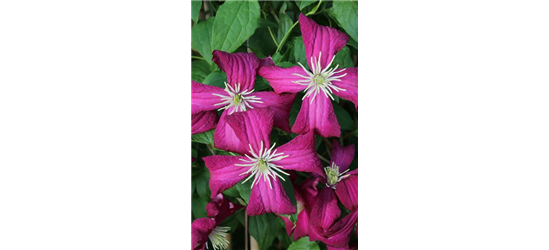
(238, 96)
(323, 204)
(203, 121)
(263, 163)
(320, 83)
(203, 229)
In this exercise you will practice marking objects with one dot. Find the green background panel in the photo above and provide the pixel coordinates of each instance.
(455, 132)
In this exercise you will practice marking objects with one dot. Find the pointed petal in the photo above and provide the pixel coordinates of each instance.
(301, 155)
(281, 79)
(350, 84)
(220, 208)
(253, 127)
(203, 121)
(267, 61)
(203, 98)
(225, 137)
(302, 225)
(317, 38)
(288, 225)
(339, 234)
(266, 200)
(280, 104)
(342, 156)
(223, 172)
(325, 209)
(318, 116)
(200, 229)
(347, 192)
(240, 67)
(308, 192)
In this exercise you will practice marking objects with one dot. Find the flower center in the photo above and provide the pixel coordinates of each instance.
(262, 165)
(320, 80)
(236, 100)
(218, 237)
(333, 176)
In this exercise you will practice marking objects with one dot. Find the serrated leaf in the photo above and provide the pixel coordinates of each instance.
(200, 69)
(195, 10)
(303, 4)
(235, 22)
(346, 14)
(304, 244)
(202, 38)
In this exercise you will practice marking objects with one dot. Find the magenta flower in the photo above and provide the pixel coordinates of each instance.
(305, 194)
(203, 121)
(263, 164)
(238, 96)
(203, 229)
(320, 83)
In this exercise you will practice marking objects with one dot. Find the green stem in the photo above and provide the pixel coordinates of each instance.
(285, 37)
(197, 57)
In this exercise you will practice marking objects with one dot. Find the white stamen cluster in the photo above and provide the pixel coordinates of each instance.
(333, 176)
(261, 165)
(237, 99)
(218, 237)
(320, 79)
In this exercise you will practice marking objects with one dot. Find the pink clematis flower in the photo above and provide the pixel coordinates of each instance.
(320, 83)
(203, 229)
(237, 96)
(340, 184)
(263, 164)
(203, 121)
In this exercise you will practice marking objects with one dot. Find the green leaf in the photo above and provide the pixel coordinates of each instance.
(344, 119)
(346, 14)
(289, 188)
(202, 188)
(200, 69)
(262, 227)
(232, 192)
(195, 10)
(267, 23)
(298, 49)
(303, 4)
(304, 244)
(261, 43)
(202, 38)
(235, 22)
(199, 207)
(353, 43)
(245, 190)
(284, 23)
(204, 138)
(344, 58)
(261, 83)
(216, 78)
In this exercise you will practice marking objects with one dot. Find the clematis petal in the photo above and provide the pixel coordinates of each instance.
(349, 82)
(317, 116)
(347, 192)
(346, 247)
(342, 156)
(203, 98)
(308, 191)
(220, 208)
(338, 234)
(263, 199)
(317, 38)
(301, 225)
(225, 137)
(223, 172)
(203, 121)
(302, 155)
(280, 104)
(200, 229)
(253, 127)
(282, 79)
(240, 68)
(325, 209)
(267, 61)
